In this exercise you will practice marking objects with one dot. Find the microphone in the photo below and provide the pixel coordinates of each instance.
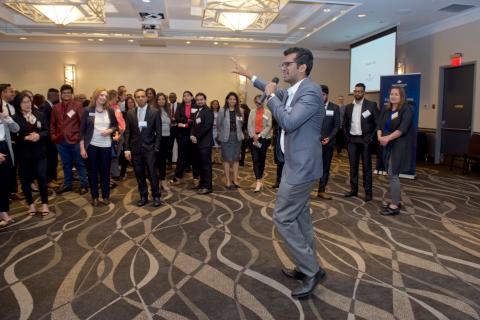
(264, 95)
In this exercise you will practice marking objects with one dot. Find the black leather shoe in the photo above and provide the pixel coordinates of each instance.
(63, 190)
(350, 194)
(157, 202)
(368, 197)
(293, 273)
(276, 185)
(142, 202)
(83, 190)
(204, 191)
(309, 284)
(390, 212)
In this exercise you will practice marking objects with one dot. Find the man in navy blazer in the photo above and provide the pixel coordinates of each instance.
(299, 111)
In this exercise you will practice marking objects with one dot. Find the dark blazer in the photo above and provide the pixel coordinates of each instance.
(400, 149)
(148, 140)
(368, 124)
(202, 128)
(87, 124)
(331, 123)
(28, 149)
(181, 119)
(46, 109)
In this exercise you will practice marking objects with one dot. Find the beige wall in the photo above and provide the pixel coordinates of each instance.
(39, 70)
(428, 54)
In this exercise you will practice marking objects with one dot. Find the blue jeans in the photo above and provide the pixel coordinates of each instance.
(69, 153)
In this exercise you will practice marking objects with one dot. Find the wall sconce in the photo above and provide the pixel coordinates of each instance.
(70, 74)
(400, 67)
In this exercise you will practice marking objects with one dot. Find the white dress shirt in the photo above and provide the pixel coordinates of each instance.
(102, 122)
(291, 93)
(356, 125)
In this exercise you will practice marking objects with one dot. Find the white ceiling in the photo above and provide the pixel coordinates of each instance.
(303, 23)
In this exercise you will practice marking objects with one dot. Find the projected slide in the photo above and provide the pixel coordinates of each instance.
(371, 60)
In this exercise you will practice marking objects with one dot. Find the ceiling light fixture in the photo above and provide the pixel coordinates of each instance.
(361, 15)
(239, 15)
(61, 12)
(131, 40)
(215, 43)
(187, 42)
(101, 40)
(23, 38)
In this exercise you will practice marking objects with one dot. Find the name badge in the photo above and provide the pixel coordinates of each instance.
(70, 113)
(91, 114)
(198, 120)
(329, 113)
(265, 117)
(194, 110)
(142, 124)
(394, 115)
(39, 125)
(366, 114)
(240, 118)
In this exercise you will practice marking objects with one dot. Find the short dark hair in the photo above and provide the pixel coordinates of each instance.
(17, 101)
(324, 89)
(303, 56)
(201, 94)
(360, 85)
(188, 91)
(138, 90)
(66, 87)
(53, 90)
(151, 90)
(4, 86)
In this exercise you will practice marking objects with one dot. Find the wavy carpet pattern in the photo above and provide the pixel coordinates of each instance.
(219, 256)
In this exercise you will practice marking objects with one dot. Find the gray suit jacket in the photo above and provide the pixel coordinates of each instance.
(302, 123)
(223, 125)
(10, 127)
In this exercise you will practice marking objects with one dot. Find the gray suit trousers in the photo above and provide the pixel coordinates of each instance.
(292, 219)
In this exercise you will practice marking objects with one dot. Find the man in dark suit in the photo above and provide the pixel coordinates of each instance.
(201, 135)
(143, 132)
(172, 98)
(330, 127)
(360, 125)
(299, 112)
(53, 96)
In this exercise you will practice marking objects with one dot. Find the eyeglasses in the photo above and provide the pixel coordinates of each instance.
(286, 64)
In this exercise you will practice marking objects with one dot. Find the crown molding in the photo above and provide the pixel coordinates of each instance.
(458, 20)
(220, 51)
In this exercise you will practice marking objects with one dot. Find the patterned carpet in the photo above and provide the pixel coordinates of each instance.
(219, 257)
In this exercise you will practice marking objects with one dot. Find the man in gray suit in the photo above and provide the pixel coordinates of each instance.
(299, 111)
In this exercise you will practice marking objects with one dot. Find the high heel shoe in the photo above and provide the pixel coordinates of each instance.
(259, 187)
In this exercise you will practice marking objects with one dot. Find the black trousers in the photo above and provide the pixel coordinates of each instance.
(52, 161)
(204, 160)
(29, 170)
(13, 175)
(259, 155)
(245, 143)
(358, 148)
(162, 157)
(171, 142)
(327, 155)
(98, 163)
(142, 162)
(5, 176)
(185, 155)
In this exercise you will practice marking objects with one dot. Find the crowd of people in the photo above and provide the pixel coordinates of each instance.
(102, 135)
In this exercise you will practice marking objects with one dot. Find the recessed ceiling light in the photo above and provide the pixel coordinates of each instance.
(361, 15)
(187, 42)
(215, 43)
(23, 38)
(302, 28)
(327, 10)
(225, 43)
(146, 1)
(130, 40)
(90, 39)
(101, 40)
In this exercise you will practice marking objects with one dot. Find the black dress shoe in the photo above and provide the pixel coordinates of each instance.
(309, 284)
(350, 194)
(83, 190)
(157, 202)
(390, 212)
(293, 273)
(142, 202)
(204, 191)
(276, 185)
(64, 189)
(368, 197)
